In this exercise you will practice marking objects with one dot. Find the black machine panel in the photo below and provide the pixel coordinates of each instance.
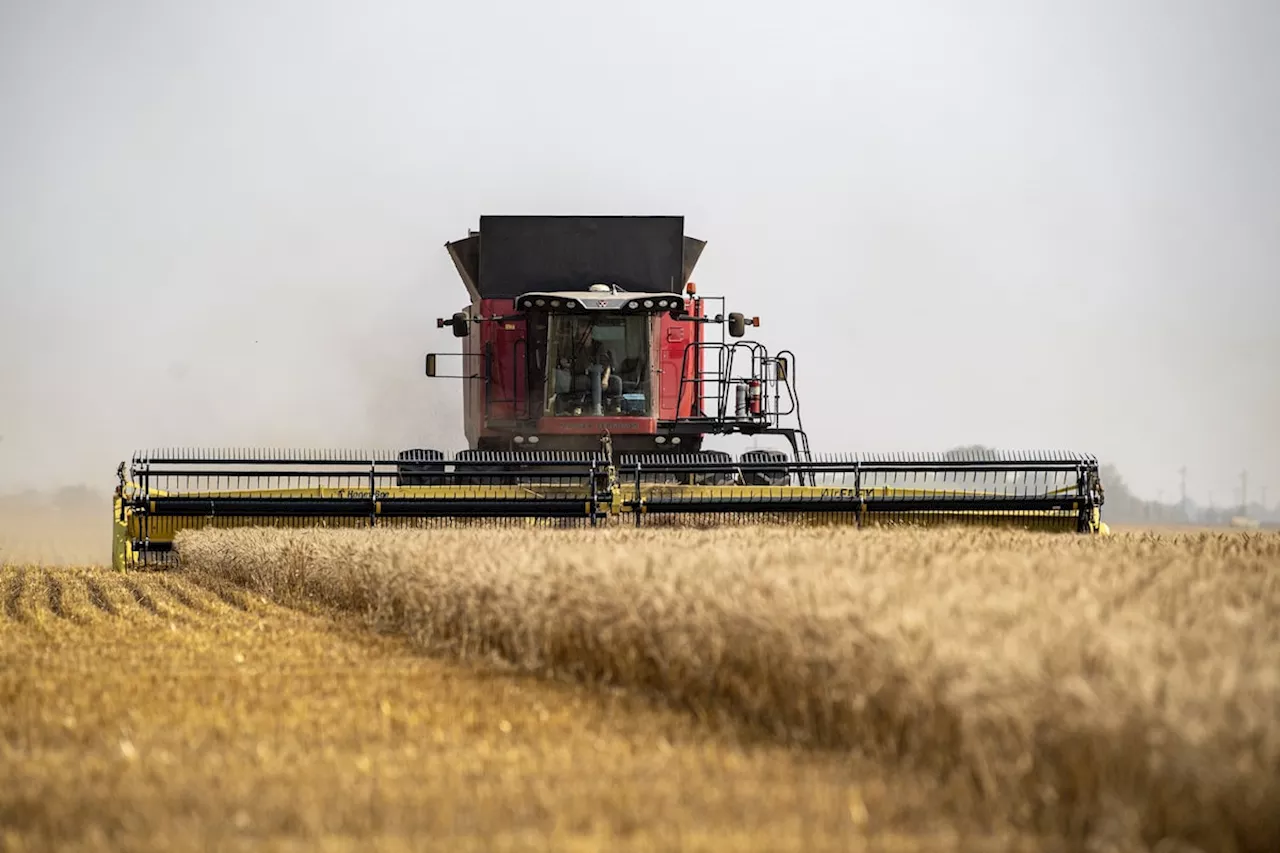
(518, 254)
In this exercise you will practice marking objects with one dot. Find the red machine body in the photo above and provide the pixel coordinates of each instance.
(579, 327)
(504, 396)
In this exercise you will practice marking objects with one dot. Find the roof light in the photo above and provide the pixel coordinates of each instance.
(633, 304)
(555, 303)
(691, 288)
(541, 302)
(648, 303)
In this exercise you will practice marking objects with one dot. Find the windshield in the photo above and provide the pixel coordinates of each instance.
(600, 365)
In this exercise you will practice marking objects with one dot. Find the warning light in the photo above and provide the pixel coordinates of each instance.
(691, 289)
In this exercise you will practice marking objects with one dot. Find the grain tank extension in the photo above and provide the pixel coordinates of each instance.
(592, 371)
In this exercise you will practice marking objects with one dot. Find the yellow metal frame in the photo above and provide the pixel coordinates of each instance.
(127, 525)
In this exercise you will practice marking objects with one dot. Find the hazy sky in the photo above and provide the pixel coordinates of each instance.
(1031, 225)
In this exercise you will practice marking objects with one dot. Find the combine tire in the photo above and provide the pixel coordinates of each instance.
(711, 478)
(416, 467)
(496, 474)
(769, 476)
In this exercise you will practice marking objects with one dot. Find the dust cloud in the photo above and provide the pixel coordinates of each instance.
(1025, 225)
(66, 527)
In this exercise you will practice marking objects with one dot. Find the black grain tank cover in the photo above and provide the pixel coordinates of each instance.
(511, 255)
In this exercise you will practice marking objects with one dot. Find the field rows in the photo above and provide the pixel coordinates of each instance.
(162, 712)
(752, 690)
(1122, 690)
(34, 594)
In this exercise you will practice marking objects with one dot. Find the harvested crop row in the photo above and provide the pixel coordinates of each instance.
(35, 594)
(1077, 687)
(269, 728)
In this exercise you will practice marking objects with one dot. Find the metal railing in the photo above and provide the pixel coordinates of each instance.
(778, 400)
(168, 491)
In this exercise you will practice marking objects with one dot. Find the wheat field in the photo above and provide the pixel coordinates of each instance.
(171, 712)
(763, 689)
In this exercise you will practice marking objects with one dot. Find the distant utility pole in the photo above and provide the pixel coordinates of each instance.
(1264, 499)
(1244, 492)
(1182, 472)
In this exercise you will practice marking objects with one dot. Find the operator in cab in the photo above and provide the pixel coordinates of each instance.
(591, 373)
(610, 381)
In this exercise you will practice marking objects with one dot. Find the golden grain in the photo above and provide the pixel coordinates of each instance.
(1072, 686)
(212, 719)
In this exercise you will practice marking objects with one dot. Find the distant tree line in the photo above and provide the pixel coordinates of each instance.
(1124, 507)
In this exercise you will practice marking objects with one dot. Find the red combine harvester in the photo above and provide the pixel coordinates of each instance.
(584, 326)
(592, 373)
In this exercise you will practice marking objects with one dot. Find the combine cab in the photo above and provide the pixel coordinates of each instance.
(592, 371)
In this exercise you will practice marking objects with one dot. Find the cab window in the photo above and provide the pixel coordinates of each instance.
(611, 350)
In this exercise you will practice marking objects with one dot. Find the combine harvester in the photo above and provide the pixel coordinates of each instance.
(592, 372)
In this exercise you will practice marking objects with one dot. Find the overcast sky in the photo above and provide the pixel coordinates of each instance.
(1024, 224)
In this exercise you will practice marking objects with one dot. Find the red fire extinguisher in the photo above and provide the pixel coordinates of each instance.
(754, 398)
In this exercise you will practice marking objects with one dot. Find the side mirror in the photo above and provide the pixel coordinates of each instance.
(782, 369)
(737, 325)
(431, 364)
(461, 325)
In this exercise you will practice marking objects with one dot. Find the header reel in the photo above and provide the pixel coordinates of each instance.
(164, 492)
